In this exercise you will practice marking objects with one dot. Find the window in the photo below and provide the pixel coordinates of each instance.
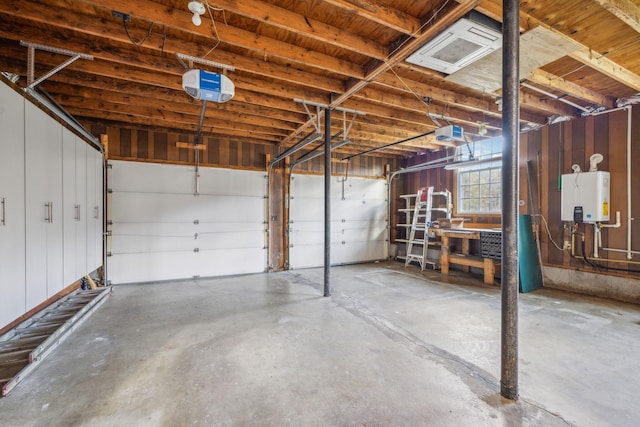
(479, 183)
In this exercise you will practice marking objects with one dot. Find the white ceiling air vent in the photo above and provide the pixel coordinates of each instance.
(466, 41)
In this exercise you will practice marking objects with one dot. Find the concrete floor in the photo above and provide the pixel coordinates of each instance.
(389, 348)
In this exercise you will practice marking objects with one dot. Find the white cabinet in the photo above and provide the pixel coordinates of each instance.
(75, 208)
(94, 209)
(69, 204)
(50, 206)
(44, 220)
(12, 246)
(82, 207)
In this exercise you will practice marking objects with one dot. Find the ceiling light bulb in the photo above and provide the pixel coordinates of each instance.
(197, 8)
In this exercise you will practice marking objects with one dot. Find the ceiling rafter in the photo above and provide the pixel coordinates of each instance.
(552, 81)
(627, 11)
(380, 13)
(314, 29)
(584, 54)
(342, 53)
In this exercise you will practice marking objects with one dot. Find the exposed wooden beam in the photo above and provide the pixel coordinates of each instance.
(403, 51)
(188, 126)
(409, 46)
(627, 11)
(584, 54)
(380, 13)
(272, 15)
(551, 81)
(148, 115)
(70, 23)
(607, 67)
(146, 107)
(151, 11)
(282, 119)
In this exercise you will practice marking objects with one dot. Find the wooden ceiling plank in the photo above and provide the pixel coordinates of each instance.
(406, 49)
(282, 18)
(607, 67)
(150, 114)
(627, 11)
(380, 13)
(552, 81)
(192, 110)
(166, 127)
(583, 54)
(181, 20)
(167, 122)
(68, 19)
(400, 54)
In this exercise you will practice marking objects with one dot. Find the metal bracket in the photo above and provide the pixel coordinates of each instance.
(31, 82)
(181, 57)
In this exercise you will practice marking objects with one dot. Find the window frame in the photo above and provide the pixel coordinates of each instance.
(488, 152)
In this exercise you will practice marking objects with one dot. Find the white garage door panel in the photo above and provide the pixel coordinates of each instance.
(140, 243)
(161, 231)
(225, 262)
(150, 207)
(358, 226)
(152, 178)
(166, 179)
(150, 267)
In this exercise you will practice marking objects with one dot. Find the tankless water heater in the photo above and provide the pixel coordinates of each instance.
(585, 197)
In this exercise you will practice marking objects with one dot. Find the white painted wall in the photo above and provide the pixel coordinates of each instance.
(358, 220)
(162, 231)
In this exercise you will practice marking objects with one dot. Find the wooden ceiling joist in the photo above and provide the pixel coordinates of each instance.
(341, 53)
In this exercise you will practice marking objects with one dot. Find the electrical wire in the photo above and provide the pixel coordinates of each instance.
(141, 42)
(215, 29)
(546, 224)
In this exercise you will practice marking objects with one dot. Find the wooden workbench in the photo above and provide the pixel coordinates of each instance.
(488, 265)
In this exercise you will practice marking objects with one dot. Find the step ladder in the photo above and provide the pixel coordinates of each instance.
(418, 242)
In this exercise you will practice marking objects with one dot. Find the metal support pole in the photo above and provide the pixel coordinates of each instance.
(327, 202)
(510, 185)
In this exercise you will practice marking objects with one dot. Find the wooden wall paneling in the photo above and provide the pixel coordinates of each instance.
(173, 152)
(143, 144)
(577, 157)
(134, 144)
(185, 154)
(234, 153)
(278, 200)
(601, 145)
(125, 142)
(114, 141)
(213, 151)
(552, 153)
(151, 144)
(567, 142)
(160, 146)
(247, 153)
(259, 156)
(618, 159)
(589, 147)
(224, 152)
(635, 181)
(524, 180)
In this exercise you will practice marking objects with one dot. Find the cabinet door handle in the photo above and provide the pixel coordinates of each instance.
(4, 214)
(77, 212)
(97, 214)
(49, 217)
